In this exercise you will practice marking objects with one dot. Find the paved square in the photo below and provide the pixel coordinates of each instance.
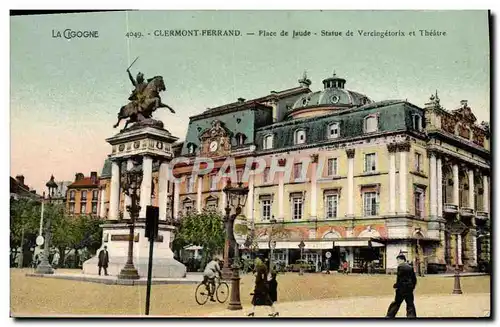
(309, 295)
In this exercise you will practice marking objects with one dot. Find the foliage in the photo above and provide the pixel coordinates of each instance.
(24, 216)
(77, 232)
(204, 229)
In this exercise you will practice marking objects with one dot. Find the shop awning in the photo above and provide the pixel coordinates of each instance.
(309, 245)
(193, 247)
(357, 243)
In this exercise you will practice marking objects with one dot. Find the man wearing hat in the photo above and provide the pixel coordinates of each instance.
(405, 284)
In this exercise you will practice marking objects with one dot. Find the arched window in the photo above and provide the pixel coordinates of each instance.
(333, 131)
(240, 139)
(417, 122)
(268, 142)
(300, 136)
(191, 148)
(371, 123)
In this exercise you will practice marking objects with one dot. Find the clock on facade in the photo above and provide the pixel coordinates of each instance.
(213, 146)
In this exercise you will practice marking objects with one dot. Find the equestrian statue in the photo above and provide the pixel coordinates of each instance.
(144, 100)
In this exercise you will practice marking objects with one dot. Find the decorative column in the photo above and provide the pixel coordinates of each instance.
(350, 181)
(177, 190)
(250, 198)
(486, 200)
(392, 148)
(223, 196)
(403, 176)
(314, 163)
(128, 200)
(471, 189)
(456, 196)
(281, 191)
(102, 208)
(147, 179)
(199, 181)
(433, 186)
(114, 197)
(163, 190)
(439, 185)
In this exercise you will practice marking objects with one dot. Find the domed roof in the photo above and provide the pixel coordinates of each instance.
(334, 95)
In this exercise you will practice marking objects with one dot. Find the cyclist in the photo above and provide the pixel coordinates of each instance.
(211, 269)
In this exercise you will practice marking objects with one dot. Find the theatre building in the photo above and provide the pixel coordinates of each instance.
(358, 179)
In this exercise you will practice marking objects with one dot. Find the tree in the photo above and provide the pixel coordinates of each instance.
(205, 229)
(76, 233)
(24, 223)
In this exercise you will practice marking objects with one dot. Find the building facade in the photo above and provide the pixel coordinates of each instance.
(353, 179)
(82, 196)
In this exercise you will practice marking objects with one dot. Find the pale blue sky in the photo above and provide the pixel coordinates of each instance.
(65, 94)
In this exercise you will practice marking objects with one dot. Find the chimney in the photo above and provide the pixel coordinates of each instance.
(20, 179)
(33, 191)
(241, 100)
(78, 176)
(463, 103)
(93, 177)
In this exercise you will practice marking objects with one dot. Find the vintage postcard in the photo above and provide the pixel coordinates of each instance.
(250, 164)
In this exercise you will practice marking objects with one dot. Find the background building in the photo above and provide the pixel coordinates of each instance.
(82, 196)
(18, 189)
(392, 176)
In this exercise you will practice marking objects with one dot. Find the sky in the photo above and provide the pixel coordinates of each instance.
(65, 94)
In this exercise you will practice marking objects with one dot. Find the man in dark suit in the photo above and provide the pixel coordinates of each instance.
(405, 284)
(103, 260)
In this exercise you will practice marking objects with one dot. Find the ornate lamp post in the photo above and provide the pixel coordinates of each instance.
(44, 267)
(457, 228)
(272, 243)
(131, 181)
(301, 247)
(236, 197)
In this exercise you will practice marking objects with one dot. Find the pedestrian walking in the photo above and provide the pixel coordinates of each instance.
(55, 259)
(103, 261)
(405, 285)
(261, 296)
(273, 287)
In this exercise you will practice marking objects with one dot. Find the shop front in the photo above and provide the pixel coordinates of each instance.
(363, 256)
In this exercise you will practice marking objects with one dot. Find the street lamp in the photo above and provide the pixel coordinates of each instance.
(44, 267)
(131, 181)
(301, 267)
(272, 243)
(457, 228)
(236, 197)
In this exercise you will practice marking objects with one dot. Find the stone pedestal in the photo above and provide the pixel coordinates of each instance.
(145, 142)
(115, 237)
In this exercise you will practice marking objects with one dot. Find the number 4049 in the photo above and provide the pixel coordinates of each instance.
(134, 34)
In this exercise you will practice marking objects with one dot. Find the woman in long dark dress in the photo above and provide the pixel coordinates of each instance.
(261, 290)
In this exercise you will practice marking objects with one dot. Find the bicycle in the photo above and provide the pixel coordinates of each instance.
(221, 292)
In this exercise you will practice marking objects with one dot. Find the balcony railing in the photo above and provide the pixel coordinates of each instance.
(451, 208)
(464, 211)
(482, 215)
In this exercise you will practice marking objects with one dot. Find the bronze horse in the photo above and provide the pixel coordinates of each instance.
(138, 110)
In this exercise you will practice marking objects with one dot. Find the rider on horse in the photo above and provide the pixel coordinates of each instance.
(137, 96)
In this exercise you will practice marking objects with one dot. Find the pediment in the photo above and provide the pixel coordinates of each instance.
(218, 129)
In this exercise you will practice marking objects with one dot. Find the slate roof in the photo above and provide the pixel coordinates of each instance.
(393, 116)
(23, 191)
